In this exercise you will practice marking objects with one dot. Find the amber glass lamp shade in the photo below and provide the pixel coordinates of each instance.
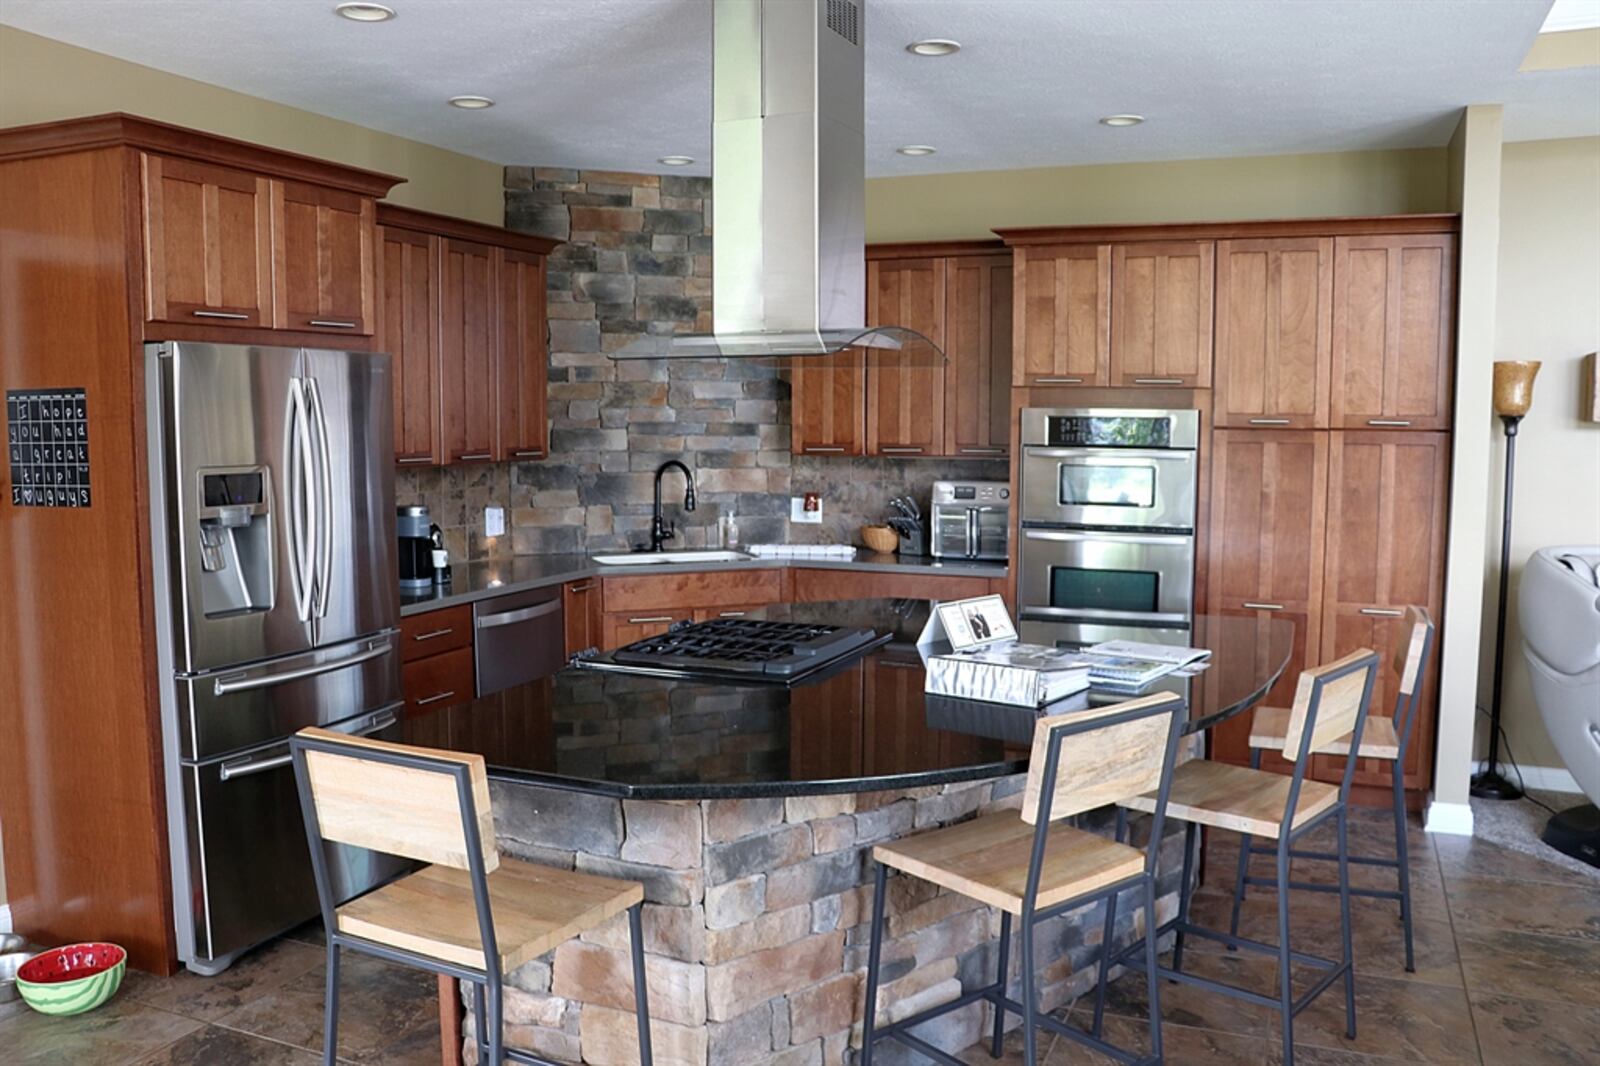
(1513, 388)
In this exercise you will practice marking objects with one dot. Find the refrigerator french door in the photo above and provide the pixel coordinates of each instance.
(272, 519)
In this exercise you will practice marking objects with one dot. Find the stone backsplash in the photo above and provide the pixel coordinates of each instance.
(637, 260)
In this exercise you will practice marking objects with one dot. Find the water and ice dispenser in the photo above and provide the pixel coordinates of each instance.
(235, 516)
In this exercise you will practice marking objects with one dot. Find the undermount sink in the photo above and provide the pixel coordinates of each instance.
(657, 558)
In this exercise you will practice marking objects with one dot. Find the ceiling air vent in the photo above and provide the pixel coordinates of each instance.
(843, 20)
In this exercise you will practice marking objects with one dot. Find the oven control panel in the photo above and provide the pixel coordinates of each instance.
(1110, 428)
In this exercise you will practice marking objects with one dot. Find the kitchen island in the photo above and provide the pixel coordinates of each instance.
(748, 810)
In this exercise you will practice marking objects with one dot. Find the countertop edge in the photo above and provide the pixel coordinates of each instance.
(700, 792)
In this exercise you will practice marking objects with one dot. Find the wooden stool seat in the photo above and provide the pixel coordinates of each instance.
(1379, 740)
(1237, 798)
(535, 908)
(987, 858)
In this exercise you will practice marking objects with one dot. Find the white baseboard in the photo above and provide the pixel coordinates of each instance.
(1454, 819)
(1545, 778)
(5, 917)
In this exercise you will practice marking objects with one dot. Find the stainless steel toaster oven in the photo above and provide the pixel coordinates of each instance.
(971, 519)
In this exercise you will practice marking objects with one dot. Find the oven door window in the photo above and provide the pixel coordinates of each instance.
(1105, 485)
(1085, 589)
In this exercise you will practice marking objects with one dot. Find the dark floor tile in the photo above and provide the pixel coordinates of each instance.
(1477, 904)
(1397, 1019)
(121, 1031)
(1184, 1046)
(1011, 1051)
(214, 1045)
(311, 933)
(1427, 884)
(1189, 1005)
(1528, 965)
(1528, 1032)
(1472, 857)
(211, 998)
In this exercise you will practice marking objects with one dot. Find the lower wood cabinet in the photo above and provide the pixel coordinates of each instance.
(826, 586)
(435, 632)
(583, 615)
(439, 680)
(625, 627)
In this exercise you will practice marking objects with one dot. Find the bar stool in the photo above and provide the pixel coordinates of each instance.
(1385, 739)
(1331, 701)
(1032, 869)
(471, 915)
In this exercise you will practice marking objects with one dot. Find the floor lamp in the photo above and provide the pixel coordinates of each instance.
(1513, 394)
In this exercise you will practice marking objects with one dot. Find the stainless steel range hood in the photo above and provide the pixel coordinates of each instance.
(788, 195)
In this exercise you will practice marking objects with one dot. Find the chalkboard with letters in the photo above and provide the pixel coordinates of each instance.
(47, 442)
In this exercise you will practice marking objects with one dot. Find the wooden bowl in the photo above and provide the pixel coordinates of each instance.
(880, 538)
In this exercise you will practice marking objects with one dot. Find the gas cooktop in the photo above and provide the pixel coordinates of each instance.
(744, 648)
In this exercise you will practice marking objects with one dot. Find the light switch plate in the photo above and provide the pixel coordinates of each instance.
(798, 512)
(494, 521)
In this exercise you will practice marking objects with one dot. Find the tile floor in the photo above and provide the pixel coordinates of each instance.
(1508, 972)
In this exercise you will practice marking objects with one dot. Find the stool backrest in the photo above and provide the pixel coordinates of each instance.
(397, 799)
(1329, 700)
(1101, 764)
(1409, 654)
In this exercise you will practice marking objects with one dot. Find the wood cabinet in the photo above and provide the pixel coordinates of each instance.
(905, 393)
(438, 681)
(1274, 332)
(408, 329)
(323, 251)
(1393, 308)
(582, 614)
(1062, 315)
(467, 350)
(1161, 310)
(625, 627)
(829, 404)
(896, 737)
(208, 243)
(644, 605)
(523, 368)
(1269, 495)
(435, 632)
(977, 345)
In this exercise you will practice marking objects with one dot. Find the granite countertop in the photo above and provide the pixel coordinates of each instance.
(481, 580)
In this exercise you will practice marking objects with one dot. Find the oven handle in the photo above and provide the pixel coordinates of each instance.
(1171, 540)
(1099, 616)
(1172, 455)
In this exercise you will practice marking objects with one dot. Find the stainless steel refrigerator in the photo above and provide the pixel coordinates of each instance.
(272, 531)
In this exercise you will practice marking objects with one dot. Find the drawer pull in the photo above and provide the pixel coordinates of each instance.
(812, 449)
(436, 633)
(1388, 421)
(1262, 606)
(332, 323)
(1158, 381)
(983, 451)
(528, 453)
(1269, 421)
(232, 316)
(1058, 381)
(585, 587)
(473, 457)
(894, 665)
(901, 451)
(415, 459)
(652, 618)
(434, 699)
(1382, 612)
(731, 614)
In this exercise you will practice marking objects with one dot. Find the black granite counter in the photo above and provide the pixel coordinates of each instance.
(859, 726)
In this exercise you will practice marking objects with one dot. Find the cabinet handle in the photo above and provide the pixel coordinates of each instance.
(1388, 421)
(415, 459)
(983, 451)
(333, 323)
(1262, 606)
(585, 587)
(731, 614)
(527, 453)
(230, 315)
(894, 665)
(653, 618)
(434, 699)
(1382, 612)
(1058, 381)
(901, 451)
(1158, 381)
(435, 634)
(811, 448)
(1269, 421)
(473, 457)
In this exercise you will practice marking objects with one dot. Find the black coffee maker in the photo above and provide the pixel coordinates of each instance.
(416, 547)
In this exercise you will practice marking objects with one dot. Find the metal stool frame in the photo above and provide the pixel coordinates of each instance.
(487, 982)
(1030, 917)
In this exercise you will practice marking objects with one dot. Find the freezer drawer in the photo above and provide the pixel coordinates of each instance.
(240, 707)
(248, 869)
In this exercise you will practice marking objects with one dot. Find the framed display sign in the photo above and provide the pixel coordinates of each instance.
(47, 444)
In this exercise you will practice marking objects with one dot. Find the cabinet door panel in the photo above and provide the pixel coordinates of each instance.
(466, 351)
(828, 400)
(208, 244)
(1161, 308)
(905, 401)
(1274, 332)
(408, 329)
(896, 738)
(524, 366)
(625, 627)
(978, 346)
(1062, 314)
(323, 252)
(583, 624)
(1393, 301)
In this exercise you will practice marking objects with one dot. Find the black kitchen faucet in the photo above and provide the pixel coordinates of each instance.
(659, 533)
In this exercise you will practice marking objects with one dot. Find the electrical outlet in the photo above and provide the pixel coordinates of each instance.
(798, 512)
(494, 521)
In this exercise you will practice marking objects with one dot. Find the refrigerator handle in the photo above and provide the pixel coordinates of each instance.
(245, 682)
(324, 499)
(259, 764)
(297, 468)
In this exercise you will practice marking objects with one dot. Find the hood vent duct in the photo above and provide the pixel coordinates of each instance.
(788, 189)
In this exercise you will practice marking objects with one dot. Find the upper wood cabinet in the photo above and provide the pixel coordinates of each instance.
(523, 430)
(467, 350)
(1274, 332)
(322, 259)
(1062, 315)
(829, 413)
(1161, 309)
(1393, 306)
(905, 394)
(408, 329)
(208, 243)
(977, 335)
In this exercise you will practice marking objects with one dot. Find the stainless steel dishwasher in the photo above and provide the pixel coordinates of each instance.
(518, 638)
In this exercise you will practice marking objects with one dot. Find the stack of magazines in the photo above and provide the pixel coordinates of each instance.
(1125, 665)
(1025, 675)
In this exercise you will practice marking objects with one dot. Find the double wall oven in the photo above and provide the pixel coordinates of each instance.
(1108, 522)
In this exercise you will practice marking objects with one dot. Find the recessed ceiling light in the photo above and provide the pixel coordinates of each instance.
(1122, 120)
(675, 160)
(934, 46)
(364, 12)
(471, 103)
(917, 149)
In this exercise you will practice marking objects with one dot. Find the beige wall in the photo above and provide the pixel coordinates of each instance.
(1547, 310)
(42, 80)
(969, 205)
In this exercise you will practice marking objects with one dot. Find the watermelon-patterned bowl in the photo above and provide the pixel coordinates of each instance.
(72, 979)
